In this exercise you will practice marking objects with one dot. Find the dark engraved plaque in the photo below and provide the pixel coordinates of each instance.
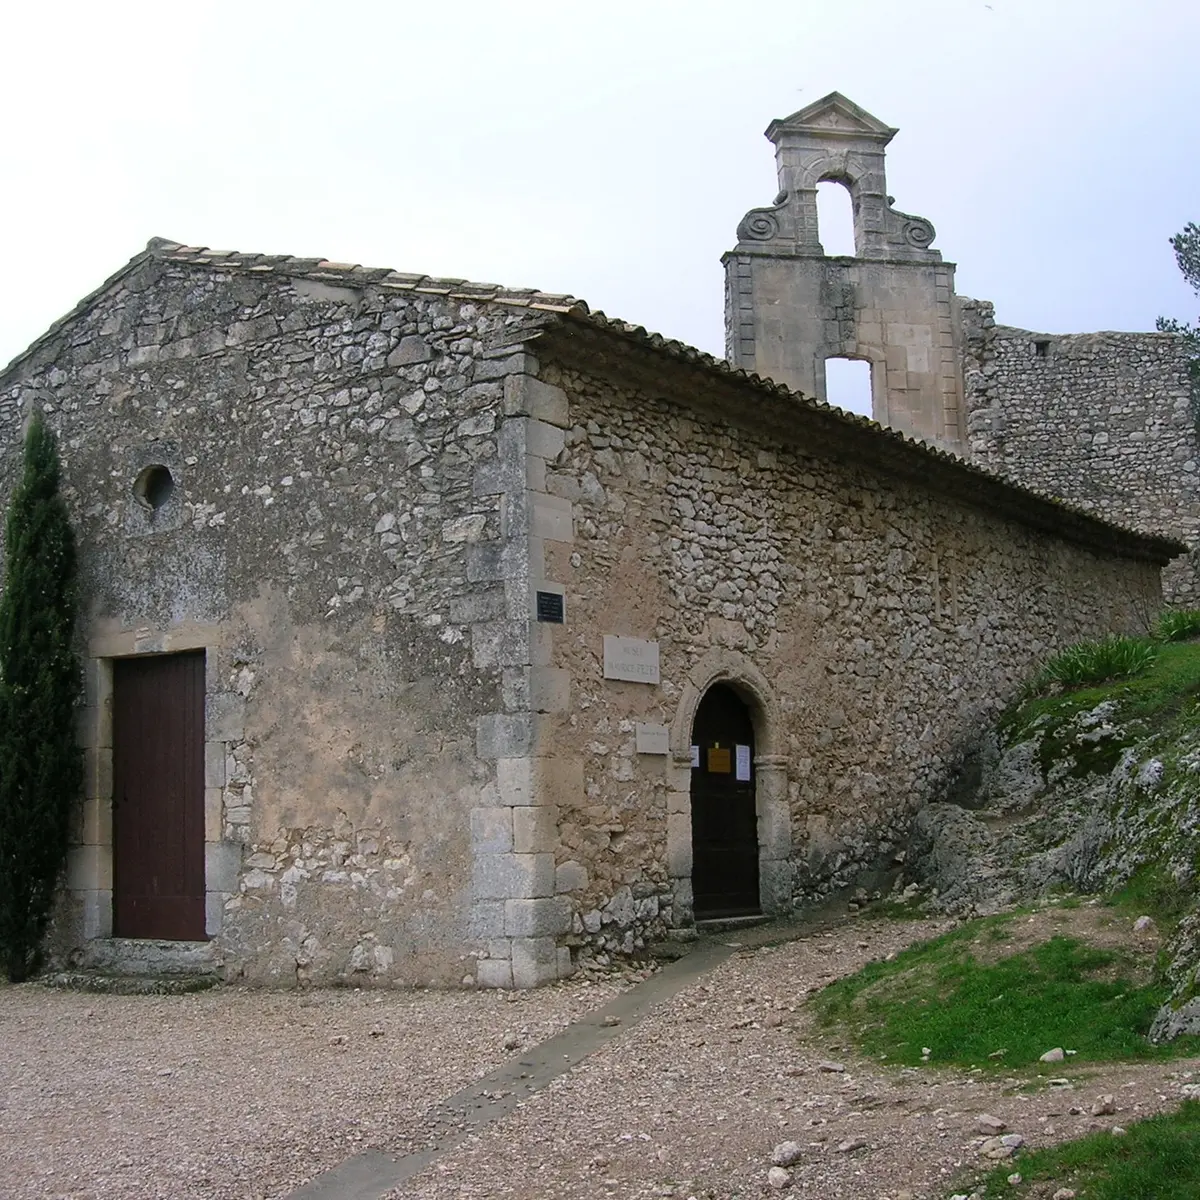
(551, 607)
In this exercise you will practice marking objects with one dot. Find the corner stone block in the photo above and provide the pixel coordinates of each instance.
(515, 781)
(222, 865)
(544, 440)
(551, 519)
(492, 830)
(774, 829)
(500, 644)
(97, 682)
(529, 397)
(504, 735)
(214, 764)
(97, 913)
(494, 973)
(546, 917)
(534, 828)
(214, 814)
(225, 718)
(775, 887)
(487, 919)
(679, 845)
(512, 876)
(98, 774)
(534, 961)
(89, 868)
(214, 912)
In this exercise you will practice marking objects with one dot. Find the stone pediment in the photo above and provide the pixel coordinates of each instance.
(833, 114)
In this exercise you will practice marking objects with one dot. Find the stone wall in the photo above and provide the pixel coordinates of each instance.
(345, 540)
(1104, 420)
(873, 624)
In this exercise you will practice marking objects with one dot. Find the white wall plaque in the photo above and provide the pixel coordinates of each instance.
(630, 658)
(652, 739)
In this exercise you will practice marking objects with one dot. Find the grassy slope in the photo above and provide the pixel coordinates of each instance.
(959, 997)
(1156, 1159)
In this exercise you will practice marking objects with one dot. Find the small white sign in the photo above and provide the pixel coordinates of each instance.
(652, 739)
(742, 764)
(695, 756)
(630, 658)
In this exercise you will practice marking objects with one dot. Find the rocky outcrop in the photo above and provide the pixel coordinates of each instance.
(1081, 799)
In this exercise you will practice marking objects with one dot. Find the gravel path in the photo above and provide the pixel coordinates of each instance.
(238, 1094)
(691, 1102)
(244, 1095)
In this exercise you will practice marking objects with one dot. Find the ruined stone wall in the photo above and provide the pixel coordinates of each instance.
(874, 624)
(1104, 420)
(338, 540)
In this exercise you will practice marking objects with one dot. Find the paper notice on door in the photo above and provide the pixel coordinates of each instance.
(695, 756)
(719, 760)
(743, 764)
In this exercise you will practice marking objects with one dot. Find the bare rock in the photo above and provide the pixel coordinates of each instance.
(1144, 925)
(1055, 1055)
(778, 1178)
(985, 1123)
(1105, 1106)
(787, 1153)
(832, 1068)
(1064, 1194)
(1000, 1148)
(852, 1144)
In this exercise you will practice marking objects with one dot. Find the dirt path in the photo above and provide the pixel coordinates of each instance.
(247, 1095)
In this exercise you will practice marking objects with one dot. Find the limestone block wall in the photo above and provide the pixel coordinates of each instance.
(347, 540)
(873, 624)
(1106, 421)
(787, 313)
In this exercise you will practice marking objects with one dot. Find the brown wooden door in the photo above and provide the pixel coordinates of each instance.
(724, 813)
(158, 797)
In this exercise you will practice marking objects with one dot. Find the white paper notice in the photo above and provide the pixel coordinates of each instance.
(742, 764)
(695, 756)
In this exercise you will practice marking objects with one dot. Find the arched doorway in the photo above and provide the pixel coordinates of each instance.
(724, 813)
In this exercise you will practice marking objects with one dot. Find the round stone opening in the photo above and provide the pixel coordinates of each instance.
(153, 487)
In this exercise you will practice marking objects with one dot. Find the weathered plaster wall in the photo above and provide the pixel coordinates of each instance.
(873, 624)
(1104, 420)
(346, 540)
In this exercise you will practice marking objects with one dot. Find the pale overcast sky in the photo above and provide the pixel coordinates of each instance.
(606, 150)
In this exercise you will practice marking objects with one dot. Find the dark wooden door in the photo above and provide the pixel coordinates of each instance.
(158, 797)
(724, 815)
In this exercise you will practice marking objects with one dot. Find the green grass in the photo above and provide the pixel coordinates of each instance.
(1157, 1159)
(1177, 625)
(1165, 693)
(1156, 893)
(1098, 662)
(939, 995)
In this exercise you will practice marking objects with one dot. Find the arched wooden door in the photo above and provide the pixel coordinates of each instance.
(724, 813)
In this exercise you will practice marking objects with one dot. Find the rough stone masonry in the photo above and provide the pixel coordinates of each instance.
(463, 562)
(1107, 421)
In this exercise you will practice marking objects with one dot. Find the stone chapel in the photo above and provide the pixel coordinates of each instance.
(440, 632)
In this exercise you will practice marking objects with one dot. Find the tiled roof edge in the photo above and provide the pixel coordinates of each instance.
(902, 454)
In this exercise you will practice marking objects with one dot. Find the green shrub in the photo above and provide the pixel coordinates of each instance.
(1097, 662)
(1177, 625)
(40, 767)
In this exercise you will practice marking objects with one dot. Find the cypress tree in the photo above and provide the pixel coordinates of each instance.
(40, 765)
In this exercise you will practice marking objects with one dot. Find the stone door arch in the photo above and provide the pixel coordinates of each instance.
(735, 672)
